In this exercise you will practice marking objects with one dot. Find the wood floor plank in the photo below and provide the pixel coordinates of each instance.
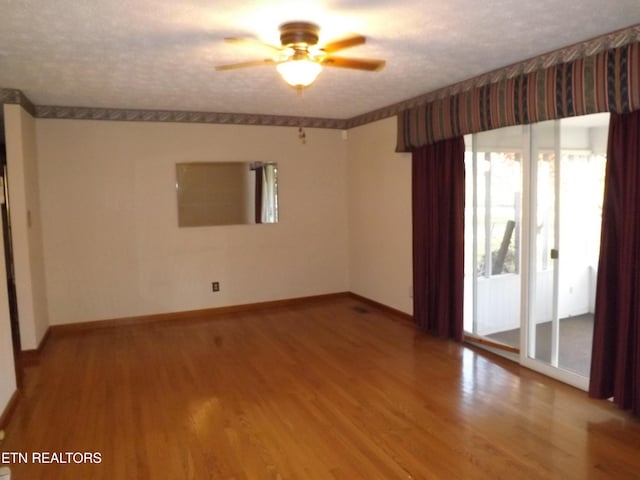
(315, 391)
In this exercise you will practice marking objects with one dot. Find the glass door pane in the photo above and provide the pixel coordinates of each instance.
(581, 189)
(543, 313)
(567, 173)
(492, 251)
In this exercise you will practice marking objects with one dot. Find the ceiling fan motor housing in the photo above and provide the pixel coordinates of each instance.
(296, 33)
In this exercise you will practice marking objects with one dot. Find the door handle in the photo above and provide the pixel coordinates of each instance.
(554, 254)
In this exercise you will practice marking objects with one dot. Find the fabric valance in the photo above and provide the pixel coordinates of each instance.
(608, 81)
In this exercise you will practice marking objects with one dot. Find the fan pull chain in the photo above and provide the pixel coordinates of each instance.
(302, 135)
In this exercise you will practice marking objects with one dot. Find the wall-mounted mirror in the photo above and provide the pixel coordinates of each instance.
(226, 193)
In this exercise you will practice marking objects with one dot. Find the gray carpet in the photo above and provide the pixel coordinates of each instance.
(576, 336)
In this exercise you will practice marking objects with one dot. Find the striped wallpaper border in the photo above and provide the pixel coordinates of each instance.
(136, 115)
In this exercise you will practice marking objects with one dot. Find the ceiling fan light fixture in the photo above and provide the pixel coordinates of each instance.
(299, 59)
(299, 73)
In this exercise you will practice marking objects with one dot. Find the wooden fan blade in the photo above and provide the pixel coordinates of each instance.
(253, 63)
(251, 41)
(342, 43)
(369, 64)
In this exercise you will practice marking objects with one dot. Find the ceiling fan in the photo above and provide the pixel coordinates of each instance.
(299, 59)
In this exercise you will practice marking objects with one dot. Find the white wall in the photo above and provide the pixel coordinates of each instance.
(24, 196)
(7, 367)
(111, 242)
(380, 249)
(498, 303)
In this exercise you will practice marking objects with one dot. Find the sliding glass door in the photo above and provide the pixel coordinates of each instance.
(567, 181)
(492, 290)
(533, 211)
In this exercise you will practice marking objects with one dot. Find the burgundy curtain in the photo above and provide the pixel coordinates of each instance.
(438, 237)
(258, 195)
(615, 361)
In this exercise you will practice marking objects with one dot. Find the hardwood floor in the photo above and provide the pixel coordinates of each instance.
(309, 392)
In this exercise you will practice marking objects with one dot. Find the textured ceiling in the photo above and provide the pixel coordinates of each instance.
(160, 54)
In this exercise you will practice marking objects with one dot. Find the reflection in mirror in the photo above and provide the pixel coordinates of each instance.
(226, 193)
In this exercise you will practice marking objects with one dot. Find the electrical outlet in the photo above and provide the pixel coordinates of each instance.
(215, 286)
